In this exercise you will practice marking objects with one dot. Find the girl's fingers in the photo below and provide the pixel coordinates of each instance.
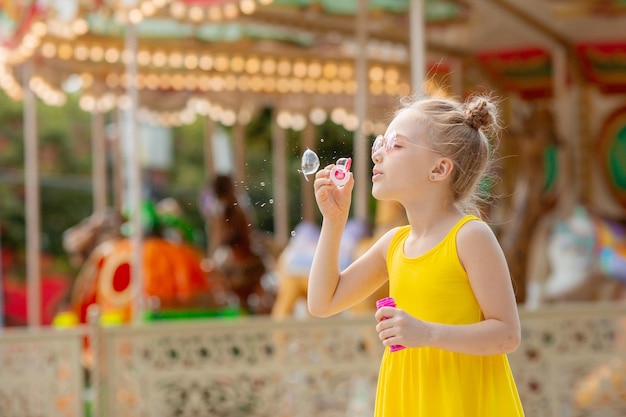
(324, 172)
(383, 325)
(384, 313)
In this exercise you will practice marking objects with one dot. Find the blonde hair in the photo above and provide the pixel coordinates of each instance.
(461, 131)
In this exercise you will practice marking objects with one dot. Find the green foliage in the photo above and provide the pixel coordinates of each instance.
(65, 166)
(12, 221)
(187, 171)
(62, 208)
(11, 204)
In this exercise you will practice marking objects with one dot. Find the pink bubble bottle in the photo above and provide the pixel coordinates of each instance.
(388, 302)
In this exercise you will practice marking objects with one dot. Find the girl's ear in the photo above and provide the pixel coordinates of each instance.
(442, 169)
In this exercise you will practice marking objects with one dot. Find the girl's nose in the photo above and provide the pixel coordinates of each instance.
(377, 156)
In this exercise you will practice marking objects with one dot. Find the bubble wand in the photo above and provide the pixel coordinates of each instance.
(339, 173)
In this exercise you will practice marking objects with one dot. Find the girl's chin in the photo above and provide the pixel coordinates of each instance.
(382, 194)
(377, 193)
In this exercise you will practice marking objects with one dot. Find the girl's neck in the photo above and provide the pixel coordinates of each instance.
(426, 217)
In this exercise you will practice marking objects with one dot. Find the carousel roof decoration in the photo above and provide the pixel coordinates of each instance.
(211, 55)
(604, 64)
(569, 8)
(208, 54)
(527, 71)
(16, 19)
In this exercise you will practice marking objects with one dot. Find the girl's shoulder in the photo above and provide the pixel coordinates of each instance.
(398, 232)
(473, 235)
(390, 236)
(470, 226)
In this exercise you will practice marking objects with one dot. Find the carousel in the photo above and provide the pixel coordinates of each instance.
(558, 66)
(168, 63)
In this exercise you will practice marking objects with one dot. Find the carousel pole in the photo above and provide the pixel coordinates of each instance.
(98, 151)
(279, 164)
(33, 211)
(133, 165)
(239, 150)
(209, 162)
(417, 44)
(117, 162)
(1, 283)
(564, 124)
(209, 175)
(456, 78)
(361, 148)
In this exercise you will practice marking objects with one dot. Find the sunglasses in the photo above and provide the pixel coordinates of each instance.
(387, 141)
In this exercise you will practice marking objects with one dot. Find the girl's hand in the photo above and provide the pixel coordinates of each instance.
(397, 327)
(333, 202)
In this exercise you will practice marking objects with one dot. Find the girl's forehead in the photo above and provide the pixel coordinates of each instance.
(407, 123)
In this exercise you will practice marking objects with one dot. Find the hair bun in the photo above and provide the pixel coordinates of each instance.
(479, 113)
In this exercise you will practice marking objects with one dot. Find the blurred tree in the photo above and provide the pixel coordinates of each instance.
(64, 172)
(11, 203)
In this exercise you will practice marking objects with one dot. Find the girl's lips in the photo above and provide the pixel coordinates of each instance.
(375, 174)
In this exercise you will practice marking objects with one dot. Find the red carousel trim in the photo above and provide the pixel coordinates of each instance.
(603, 64)
(22, 27)
(527, 71)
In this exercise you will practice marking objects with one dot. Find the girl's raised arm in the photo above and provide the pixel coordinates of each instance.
(331, 291)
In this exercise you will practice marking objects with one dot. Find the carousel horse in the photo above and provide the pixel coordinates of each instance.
(80, 240)
(578, 258)
(294, 263)
(533, 143)
(239, 259)
(172, 277)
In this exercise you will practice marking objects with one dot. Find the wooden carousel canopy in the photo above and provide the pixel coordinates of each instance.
(212, 57)
(209, 57)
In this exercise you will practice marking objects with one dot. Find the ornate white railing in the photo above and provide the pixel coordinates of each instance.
(572, 363)
(252, 367)
(42, 373)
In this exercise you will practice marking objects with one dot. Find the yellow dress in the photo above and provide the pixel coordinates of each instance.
(430, 382)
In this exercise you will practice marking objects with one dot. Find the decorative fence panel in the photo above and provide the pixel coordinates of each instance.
(253, 367)
(572, 363)
(41, 373)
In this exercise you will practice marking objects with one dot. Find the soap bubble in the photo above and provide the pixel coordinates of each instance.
(310, 163)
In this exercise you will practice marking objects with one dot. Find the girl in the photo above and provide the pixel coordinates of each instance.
(456, 310)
